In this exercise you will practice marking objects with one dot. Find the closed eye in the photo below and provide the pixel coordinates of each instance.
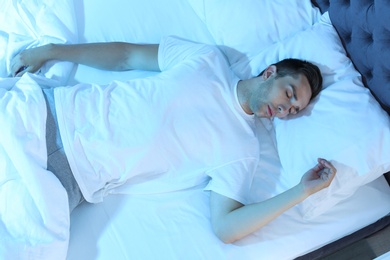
(297, 109)
(294, 92)
(294, 110)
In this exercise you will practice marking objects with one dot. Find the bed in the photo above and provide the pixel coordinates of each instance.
(347, 123)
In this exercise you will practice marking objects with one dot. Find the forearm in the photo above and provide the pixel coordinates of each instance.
(247, 219)
(116, 56)
(232, 221)
(106, 56)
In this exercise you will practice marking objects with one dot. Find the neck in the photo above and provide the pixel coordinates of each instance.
(244, 92)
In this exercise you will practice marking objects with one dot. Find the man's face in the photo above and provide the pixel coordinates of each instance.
(281, 97)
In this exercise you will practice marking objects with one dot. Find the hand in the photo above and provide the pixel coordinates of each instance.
(30, 60)
(319, 177)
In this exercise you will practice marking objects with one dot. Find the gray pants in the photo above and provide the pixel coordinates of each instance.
(56, 158)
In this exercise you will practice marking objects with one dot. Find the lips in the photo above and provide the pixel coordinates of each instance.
(269, 111)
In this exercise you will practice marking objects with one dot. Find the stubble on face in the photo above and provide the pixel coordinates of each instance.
(258, 101)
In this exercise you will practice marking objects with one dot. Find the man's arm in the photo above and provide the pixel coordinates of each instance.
(232, 220)
(118, 56)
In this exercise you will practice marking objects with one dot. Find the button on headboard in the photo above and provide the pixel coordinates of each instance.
(364, 28)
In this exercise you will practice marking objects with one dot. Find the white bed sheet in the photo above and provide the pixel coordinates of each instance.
(176, 226)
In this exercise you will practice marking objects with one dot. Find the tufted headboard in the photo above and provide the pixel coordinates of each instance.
(364, 28)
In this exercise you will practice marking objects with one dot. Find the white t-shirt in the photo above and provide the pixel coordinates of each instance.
(172, 131)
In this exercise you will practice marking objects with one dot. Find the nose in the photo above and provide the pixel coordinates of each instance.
(283, 110)
(286, 109)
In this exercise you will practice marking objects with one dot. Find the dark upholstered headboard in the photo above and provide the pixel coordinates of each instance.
(364, 28)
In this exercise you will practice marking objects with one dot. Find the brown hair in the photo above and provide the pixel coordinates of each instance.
(295, 67)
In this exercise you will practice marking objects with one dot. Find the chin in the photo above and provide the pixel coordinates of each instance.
(261, 115)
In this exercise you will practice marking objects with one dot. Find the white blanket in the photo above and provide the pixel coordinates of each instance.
(34, 217)
(34, 210)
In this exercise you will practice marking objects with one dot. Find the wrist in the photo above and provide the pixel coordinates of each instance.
(49, 51)
(301, 192)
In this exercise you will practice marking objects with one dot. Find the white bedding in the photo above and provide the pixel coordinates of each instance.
(34, 217)
(177, 225)
(26, 24)
(33, 204)
(35, 224)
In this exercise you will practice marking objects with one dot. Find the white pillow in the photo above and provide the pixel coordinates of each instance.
(121, 21)
(344, 124)
(243, 28)
(319, 44)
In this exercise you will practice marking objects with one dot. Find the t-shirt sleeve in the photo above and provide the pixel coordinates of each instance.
(233, 180)
(173, 50)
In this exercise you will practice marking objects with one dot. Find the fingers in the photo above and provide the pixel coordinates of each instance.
(327, 164)
(327, 170)
(19, 72)
(18, 69)
(28, 60)
(324, 174)
(20, 64)
(17, 66)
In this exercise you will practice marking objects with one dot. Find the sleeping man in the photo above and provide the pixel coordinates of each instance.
(191, 124)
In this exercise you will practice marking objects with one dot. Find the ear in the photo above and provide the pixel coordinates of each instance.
(268, 72)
